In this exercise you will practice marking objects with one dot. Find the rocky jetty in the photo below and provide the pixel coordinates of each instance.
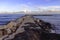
(28, 28)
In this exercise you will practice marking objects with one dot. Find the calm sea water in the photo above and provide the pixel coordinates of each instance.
(5, 18)
(54, 19)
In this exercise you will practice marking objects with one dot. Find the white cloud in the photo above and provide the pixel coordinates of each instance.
(29, 6)
(49, 7)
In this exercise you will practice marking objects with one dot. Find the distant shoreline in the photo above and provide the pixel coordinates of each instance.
(40, 14)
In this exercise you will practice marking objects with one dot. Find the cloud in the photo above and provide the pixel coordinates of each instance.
(48, 7)
(28, 6)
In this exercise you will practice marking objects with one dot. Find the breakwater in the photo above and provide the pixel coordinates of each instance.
(26, 26)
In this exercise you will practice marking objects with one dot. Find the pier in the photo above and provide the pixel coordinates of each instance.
(27, 28)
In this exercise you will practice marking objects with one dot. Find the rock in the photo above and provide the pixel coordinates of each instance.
(26, 28)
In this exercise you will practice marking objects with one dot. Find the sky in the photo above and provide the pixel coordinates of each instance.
(18, 5)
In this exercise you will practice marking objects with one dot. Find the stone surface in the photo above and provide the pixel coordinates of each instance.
(27, 28)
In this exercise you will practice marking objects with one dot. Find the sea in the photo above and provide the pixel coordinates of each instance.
(53, 19)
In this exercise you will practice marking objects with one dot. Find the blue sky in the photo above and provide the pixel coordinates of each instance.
(17, 5)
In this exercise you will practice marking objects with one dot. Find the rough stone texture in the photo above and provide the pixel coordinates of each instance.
(28, 28)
